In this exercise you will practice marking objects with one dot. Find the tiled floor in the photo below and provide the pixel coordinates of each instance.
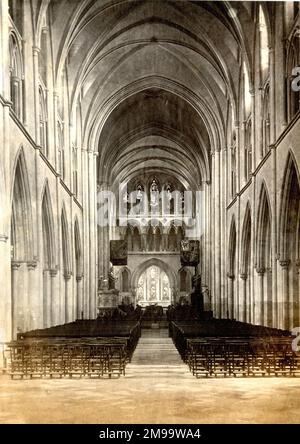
(157, 388)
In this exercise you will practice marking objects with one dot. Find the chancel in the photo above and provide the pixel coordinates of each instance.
(150, 201)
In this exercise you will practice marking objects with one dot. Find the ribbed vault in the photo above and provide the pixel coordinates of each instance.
(152, 77)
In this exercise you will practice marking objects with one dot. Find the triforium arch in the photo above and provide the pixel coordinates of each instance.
(263, 300)
(289, 244)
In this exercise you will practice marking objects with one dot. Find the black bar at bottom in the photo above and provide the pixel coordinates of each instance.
(130, 433)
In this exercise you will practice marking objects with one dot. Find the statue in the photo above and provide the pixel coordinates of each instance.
(111, 279)
(139, 195)
(154, 194)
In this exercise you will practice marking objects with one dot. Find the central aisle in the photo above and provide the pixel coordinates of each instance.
(156, 355)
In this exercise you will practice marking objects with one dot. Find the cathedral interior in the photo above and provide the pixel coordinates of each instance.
(131, 132)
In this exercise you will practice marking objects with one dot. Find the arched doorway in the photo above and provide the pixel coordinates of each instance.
(154, 287)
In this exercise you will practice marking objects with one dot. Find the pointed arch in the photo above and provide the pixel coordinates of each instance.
(22, 245)
(78, 271)
(231, 271)
(21, 220)
(289, 243)
(125, 279)
(65, 241)
(289, 222)
(172, 238)
(263, 247)
(136, 239)
(246, 241)
(292, 61)
(245, 268)
(264, 303)
(16, 73)
(78, 249)
(48, 228)
(157, 238)
(232, 248)
(184, 280)
(43, 120)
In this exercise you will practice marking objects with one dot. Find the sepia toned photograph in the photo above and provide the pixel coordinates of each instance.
(149, 214)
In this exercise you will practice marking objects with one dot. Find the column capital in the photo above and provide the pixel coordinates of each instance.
(260, 271)
(297, 263)
(36, 50)
(3, 237)
(243, 276)
(68, 275)
(285, 263)
(230, 275)
(15, 265)
(31, 265)
(79, 277)
(53, 272)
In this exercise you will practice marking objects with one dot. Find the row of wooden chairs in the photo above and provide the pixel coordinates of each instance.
(235, 356)
(212, 357)
(56, 353)
(53, 358)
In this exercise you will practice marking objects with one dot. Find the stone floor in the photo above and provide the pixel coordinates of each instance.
(157, 388)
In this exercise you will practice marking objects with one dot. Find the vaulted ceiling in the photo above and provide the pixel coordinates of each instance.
(155, 78)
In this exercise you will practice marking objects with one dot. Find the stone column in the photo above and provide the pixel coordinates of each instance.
(280, 58)
(285, 322)
(6, 291)
(56, 154)
(275, 296)
(36, 51)
(54, 312)
(230, 306)
(32, 314)
(298, 299)
(79, 280)
(259, 305)
(68, 307)
(46, 298)
(14, 296)
(223, 232)
(92, 227)
(103, 248)
(217, 222)
(243, 302)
